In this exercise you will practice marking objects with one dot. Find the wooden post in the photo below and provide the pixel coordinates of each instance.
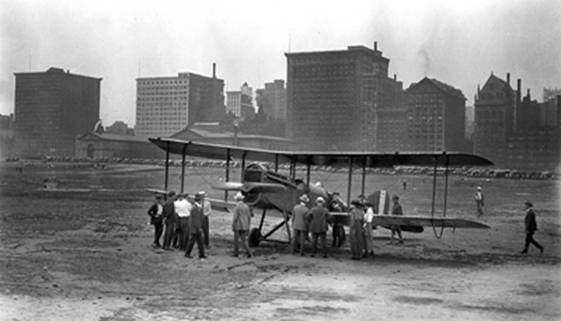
(350, 182)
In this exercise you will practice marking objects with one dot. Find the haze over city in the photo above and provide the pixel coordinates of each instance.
(459, 43)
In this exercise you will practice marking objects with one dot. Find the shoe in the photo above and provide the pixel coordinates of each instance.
(302, 254)
(523, 252)
(249, 255)
(188, 256)
(156, 246)
(325, 256)
(541, 250)
(167, 249)
(312, 255)
(234, 255)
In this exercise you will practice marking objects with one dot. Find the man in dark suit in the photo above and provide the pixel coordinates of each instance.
(531, 227)
(170, 220)
(155, 212)
(317, 221)
(196, 228)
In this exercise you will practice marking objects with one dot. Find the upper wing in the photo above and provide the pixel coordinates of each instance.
(338, 159)
(250, 187)
(383, 220)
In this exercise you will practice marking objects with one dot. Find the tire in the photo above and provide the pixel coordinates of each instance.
(254, 237)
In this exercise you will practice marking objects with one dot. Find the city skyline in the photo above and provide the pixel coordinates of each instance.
(460, 44)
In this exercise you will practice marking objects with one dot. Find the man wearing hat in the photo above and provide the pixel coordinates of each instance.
(170, 220)
(155, 212)
(479, 201)
(396, 210)
(207, 209)
(183, 209)
(299, 224)
(196, 229)
(241, 224)
(356, 236)
(531, 227)
(317, 222)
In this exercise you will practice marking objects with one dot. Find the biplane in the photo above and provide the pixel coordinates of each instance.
(267, 189)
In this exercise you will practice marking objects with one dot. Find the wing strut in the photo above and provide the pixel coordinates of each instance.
(437, 235)
(167, 168)
(183, 167)
(350, 180)
(363, 177)
(227, 173)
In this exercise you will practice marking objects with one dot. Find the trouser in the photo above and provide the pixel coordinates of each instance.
(323, 241)
(195, 237)
(158, 230)
(368, 238)
(530, 240)
(206, 230)
(338, 233)
(169, 234)
(183, 232)
(479, 209)
(298, 238)
(241, 234)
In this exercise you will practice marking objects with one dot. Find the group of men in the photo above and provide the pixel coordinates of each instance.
(185, 222)
(315, 220)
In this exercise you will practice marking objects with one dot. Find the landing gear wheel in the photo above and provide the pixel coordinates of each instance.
(254, 237)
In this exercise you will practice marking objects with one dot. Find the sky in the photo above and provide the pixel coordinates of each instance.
(457, 42)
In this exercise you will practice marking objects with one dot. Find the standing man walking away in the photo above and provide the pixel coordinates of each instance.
(356, 238)
(479, 201)
(299, 224)
(155, 212)
(337, 229)
(196, 229)
(170, 220)
(183, 210)
(317, 219)
(396, 210)
(241, 224)
(207, 209)
(531, 227)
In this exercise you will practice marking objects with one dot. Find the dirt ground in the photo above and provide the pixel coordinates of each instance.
(82, 251)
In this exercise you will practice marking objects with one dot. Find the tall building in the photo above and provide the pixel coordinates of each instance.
(272, 99)
(334, 98)
(166, 105)
(551, 114)
(240, 103)
(435, 116)
(51, 109)
(495, 118)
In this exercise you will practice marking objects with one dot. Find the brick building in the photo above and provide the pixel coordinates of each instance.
(165, 105)
(435, 117)
(272, 99)
(51, 109)
(335, 98)
(240, 103)
(535, 149)
(495, 118)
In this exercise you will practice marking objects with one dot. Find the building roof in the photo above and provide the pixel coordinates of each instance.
(350, 49)
(113, 137)
(55, 70)
(194, 132)
(445, 88)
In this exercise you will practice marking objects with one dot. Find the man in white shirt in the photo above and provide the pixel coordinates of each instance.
(479, 201)
(207, 209)
(183, 209)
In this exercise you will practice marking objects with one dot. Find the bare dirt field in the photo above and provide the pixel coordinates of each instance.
(82, 252)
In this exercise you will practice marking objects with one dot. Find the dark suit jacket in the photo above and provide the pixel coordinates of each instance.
(317, 218)
(530, 220)
(196, 219)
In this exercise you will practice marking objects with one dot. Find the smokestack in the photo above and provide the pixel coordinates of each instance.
(528, 93)
(518, 88)
(375, 45)
(213, 70)
(508, 78)
(394, 77)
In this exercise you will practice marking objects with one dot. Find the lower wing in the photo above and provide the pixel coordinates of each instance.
(414, 222)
